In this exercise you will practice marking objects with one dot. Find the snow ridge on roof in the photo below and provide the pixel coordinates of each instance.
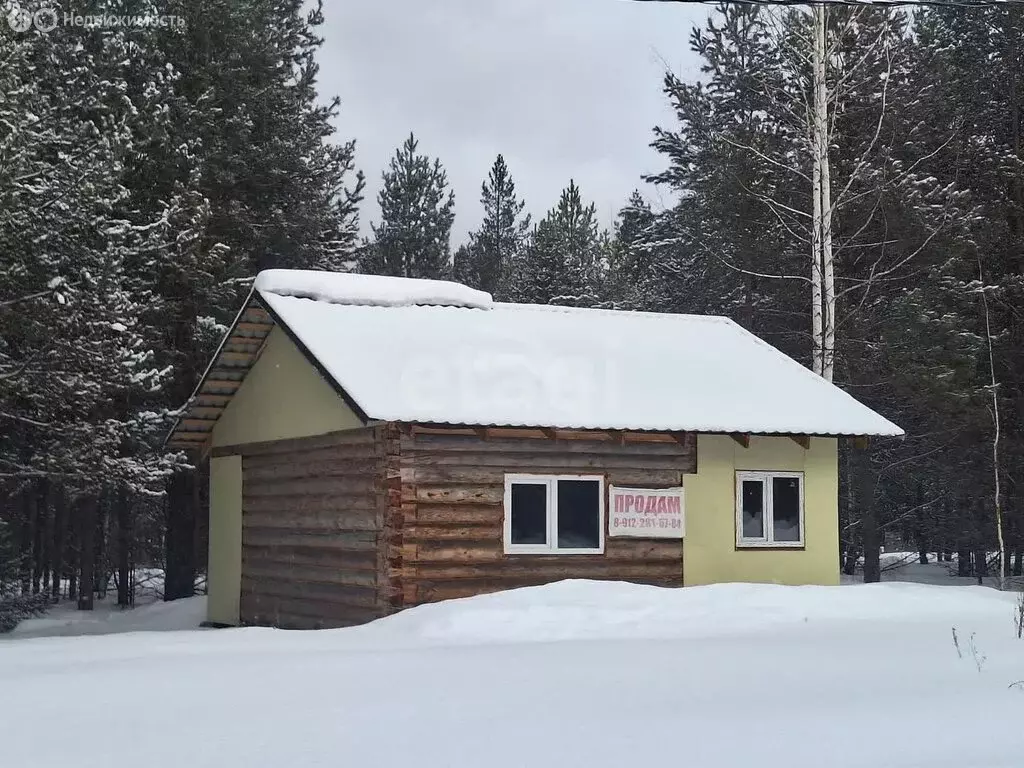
(369, 290)
(558, 367)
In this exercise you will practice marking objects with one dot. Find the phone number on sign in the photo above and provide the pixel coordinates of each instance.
(646, 522)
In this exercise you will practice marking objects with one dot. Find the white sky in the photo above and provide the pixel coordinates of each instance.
(562, 88)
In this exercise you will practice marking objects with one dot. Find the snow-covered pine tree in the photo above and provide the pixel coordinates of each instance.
(628, 258)
(75, 363)
(483, 261)
(245, 175)
(147, 173)
(969, 144)
(417, 211)
(735, 224)
(463, 263)
(565, 259)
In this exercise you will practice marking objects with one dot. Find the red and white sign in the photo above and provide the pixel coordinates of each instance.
(647, 513)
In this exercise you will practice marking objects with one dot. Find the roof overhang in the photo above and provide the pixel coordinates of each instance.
(238, 352)
(247, 336)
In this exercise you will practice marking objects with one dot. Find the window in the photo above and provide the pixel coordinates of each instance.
(769, 509)
(554, 514)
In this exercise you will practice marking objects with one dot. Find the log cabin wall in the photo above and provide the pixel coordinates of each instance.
(313, 513)
(450, 541)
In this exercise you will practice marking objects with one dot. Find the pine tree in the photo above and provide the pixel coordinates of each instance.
(566, 259)
(417, 212)
(629, 267)
(78, 366)
(464, 266)
(504, 229)
(732, 225)
(969, 143)
(146, 174)
(248, 170)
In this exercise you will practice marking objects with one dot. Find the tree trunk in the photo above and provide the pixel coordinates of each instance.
(38, 534)
(870, 529)
(817, 338)
(980, 565)
(87, 552)
(828, 284)
(1018, 563)
(60, 525)
(124, 543)
(101, 571)
(46, 548)
(850, 562)
(963, 562)
(26, 538)
(180, 574)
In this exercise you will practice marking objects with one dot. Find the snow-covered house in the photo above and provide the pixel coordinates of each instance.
(376, 443)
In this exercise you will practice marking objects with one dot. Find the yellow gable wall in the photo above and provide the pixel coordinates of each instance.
(282, 397)
(709, 549)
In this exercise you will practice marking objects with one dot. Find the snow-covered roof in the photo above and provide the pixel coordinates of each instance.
(432, 351)
(346, 288)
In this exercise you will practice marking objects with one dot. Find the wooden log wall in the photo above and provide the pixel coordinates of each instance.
(450, 541)
(313, 512)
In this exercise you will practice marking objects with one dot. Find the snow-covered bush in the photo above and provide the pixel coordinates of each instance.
(16, 608)
(8, 559)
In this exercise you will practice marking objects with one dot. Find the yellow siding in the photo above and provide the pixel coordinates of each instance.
(283, 396)
(224, 574)
(709, 551)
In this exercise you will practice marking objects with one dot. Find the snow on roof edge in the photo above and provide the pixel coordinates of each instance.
(898, 431)
(369, 290)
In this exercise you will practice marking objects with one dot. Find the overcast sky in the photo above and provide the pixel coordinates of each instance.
(562, 88)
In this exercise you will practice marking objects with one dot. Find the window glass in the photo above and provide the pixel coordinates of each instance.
(786, 508)
(529, 513)
(579, 514)
(753, 509)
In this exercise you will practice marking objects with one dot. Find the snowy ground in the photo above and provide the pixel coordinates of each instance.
(107, 619)
(570, 674)
(905, 566)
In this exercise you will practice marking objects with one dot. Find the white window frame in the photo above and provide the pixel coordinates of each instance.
(767, 541)
(552, 548)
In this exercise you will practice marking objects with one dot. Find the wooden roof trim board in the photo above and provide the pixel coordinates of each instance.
(228, 369)
(486, 431)
(238, 352)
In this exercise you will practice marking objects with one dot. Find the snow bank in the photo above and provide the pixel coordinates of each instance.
(369, 290)
(108, 619)
(593, 610)
(712, 677)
